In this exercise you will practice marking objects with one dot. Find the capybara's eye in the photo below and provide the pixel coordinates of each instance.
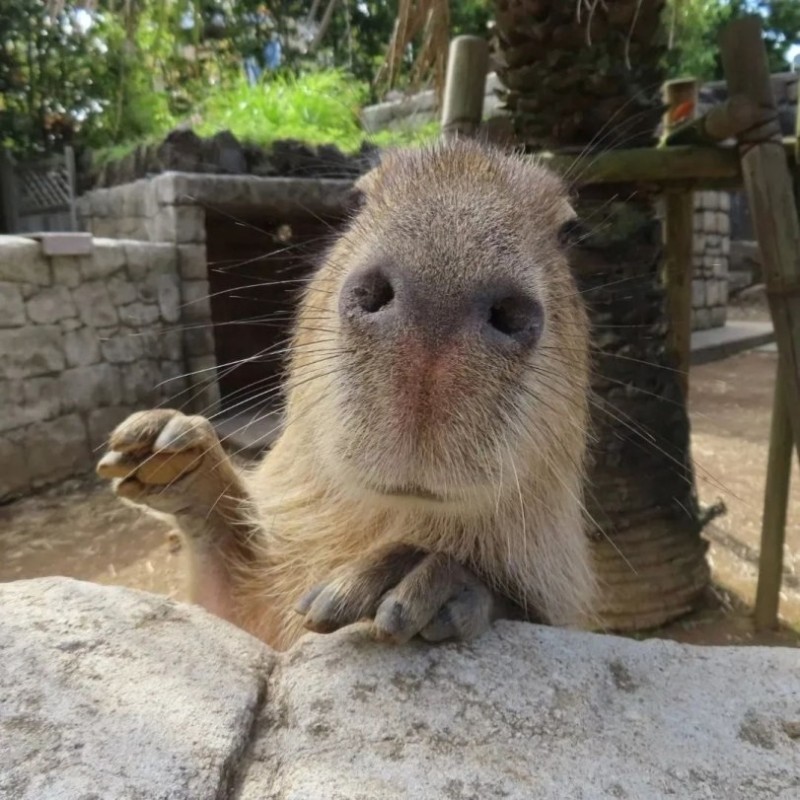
(572, 232)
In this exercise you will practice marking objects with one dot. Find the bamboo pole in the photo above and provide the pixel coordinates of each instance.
(776, 499)
(768, 183)
(680, 97)
(465, 86)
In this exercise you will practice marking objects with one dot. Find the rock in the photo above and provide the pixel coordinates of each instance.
(169, 298)
(121, 291)
(141, 383)
(13, 411)
(51, 305)
(139, 315)
(199, 340)
(42, 399)
(755, 295)
(86, 388)
(170, 344)
(714, 293)
(94, 305)
(102, 421)
(718, 316)
(14, 479)
(108, 257)
(108, 692)
(139, 259)
(190, 224)
(21, 260)
(163, 289)
(182, 151)
(12, 306)
(82, 347)
(66, 271)
(193, 262)
(225, 152)
(698, 293)
(701, 319)
(126, 345)
(103, 694)
(29, 351)
(196, 301)
(57, 449)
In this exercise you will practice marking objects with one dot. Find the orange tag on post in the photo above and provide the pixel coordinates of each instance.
(682, 111)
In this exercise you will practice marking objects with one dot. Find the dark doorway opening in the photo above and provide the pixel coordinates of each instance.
(256, 267)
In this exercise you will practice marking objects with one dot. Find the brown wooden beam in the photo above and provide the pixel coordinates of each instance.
(680, 97)
(680, 167)
(724, 121)
(768, 182)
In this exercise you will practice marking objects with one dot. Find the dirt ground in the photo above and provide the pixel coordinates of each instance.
(79, 530)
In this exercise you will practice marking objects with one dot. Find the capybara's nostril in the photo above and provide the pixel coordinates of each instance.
(366, 292)
(516, 316)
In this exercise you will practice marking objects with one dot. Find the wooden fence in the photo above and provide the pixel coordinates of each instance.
(690, 157)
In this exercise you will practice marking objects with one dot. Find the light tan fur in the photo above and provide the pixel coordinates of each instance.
(500, 443)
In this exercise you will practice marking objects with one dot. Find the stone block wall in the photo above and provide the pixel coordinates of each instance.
(84, 341)
(711, 259)
(157, 210)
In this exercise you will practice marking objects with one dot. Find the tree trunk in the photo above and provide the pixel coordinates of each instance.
(592, 84)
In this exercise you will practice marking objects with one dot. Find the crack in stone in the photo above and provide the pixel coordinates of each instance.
(235, 768)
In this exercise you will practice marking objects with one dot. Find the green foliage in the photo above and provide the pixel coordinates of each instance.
(105, 73)
(695, 26)
(318, 108)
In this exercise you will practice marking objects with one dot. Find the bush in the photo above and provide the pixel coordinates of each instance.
(317, 108)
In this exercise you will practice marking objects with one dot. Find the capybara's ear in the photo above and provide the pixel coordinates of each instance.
(362, 189)
(367, 182)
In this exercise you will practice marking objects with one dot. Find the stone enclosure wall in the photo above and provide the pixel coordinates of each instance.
(711, 256)
(84, 341)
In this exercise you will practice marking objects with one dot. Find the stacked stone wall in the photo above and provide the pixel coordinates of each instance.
(84, 341)
(711, 254)
(156, 210)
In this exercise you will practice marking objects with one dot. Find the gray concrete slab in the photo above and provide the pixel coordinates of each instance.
(734, 337)
(248, 433)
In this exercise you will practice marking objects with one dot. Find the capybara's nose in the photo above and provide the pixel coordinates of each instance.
(383, 302)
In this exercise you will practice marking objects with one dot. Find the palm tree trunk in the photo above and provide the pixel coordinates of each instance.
(583, 74)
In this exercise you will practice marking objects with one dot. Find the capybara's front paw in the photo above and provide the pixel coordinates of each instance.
(162, 459)
(405, 592)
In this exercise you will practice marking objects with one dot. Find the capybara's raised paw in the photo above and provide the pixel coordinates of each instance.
(161, 458)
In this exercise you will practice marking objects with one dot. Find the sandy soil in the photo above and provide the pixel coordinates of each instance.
(79, 530)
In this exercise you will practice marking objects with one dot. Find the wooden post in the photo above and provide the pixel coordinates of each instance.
(72, 181)
(8, 193)
(465, 86)
(724, 121)
(680, 97)
(776, 499)
(768, 183)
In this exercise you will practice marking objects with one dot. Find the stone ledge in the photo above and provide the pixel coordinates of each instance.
(115, 693)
